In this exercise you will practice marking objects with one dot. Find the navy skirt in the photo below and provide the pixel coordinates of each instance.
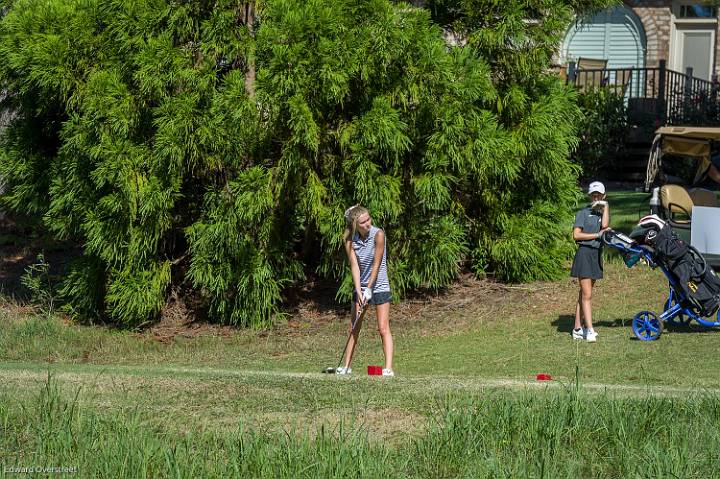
(587, 263)
(381, 297)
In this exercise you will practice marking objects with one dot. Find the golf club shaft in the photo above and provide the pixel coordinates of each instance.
(358, 317)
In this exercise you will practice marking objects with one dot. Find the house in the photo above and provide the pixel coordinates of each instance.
(661, 55)
(641, 33)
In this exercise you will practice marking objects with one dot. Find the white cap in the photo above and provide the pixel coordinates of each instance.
(596, 187)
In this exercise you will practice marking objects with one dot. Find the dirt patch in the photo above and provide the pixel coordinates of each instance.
(387, 426)
(469, 300)
(180, 319)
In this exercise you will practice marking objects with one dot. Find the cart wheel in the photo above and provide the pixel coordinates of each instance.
(647, 326)
(680, 319)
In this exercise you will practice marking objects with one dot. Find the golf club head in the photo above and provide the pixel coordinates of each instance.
(329, 370)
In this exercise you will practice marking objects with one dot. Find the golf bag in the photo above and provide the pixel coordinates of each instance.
(696, 278)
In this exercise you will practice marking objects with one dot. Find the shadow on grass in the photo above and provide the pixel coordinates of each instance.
(565, 322)
(691, 327)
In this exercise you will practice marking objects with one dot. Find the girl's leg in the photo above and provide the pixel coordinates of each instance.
(352, 342)
(578, 310)
(586, 287)
(382, 312)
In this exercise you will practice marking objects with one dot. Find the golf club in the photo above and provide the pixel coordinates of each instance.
(358, 316)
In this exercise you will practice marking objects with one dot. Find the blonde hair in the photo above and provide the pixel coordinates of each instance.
(351, 220)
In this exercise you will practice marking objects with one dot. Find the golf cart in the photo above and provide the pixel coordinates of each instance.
(693, 212)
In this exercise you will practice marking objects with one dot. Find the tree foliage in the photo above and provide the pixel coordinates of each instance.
(215, 145)
(603, 131)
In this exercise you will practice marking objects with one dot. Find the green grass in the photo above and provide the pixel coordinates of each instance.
(549, 435)
(626, 208)
(464, 404)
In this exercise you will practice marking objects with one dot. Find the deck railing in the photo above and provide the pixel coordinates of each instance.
(657, 95)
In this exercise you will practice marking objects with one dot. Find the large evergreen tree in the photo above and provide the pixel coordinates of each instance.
(216, 144)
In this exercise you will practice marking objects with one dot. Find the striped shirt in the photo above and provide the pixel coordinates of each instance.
(365, 252)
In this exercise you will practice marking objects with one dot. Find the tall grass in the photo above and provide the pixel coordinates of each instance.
(543, 435)
(573, 435)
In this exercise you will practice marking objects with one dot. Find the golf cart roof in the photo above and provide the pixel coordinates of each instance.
(690, 141)
(696, 132)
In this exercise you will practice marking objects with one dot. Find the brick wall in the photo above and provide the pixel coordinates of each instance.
(656, 17)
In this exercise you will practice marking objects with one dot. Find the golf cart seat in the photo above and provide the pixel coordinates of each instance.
(677, 206)
(703, 197)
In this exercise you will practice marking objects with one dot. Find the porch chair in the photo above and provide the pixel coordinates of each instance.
(587, 80)
(622, 81)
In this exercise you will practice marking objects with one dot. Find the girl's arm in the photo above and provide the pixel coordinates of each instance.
(379, 249)
(605, 223)
(714, 173)
(354, 268)
(579, 235)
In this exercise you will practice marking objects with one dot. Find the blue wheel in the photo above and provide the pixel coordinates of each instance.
(647, 326)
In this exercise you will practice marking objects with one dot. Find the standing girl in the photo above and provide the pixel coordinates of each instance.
(590, 223)
(366, 251)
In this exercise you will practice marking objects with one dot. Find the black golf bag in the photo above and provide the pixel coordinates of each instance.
(696, 278)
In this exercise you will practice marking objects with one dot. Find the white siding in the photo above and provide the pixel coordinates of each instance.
(616, 35)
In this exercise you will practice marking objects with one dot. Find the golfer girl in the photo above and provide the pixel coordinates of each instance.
(587, 266)
(366, 251)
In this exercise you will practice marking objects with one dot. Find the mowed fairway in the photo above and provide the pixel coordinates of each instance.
(193, 401)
